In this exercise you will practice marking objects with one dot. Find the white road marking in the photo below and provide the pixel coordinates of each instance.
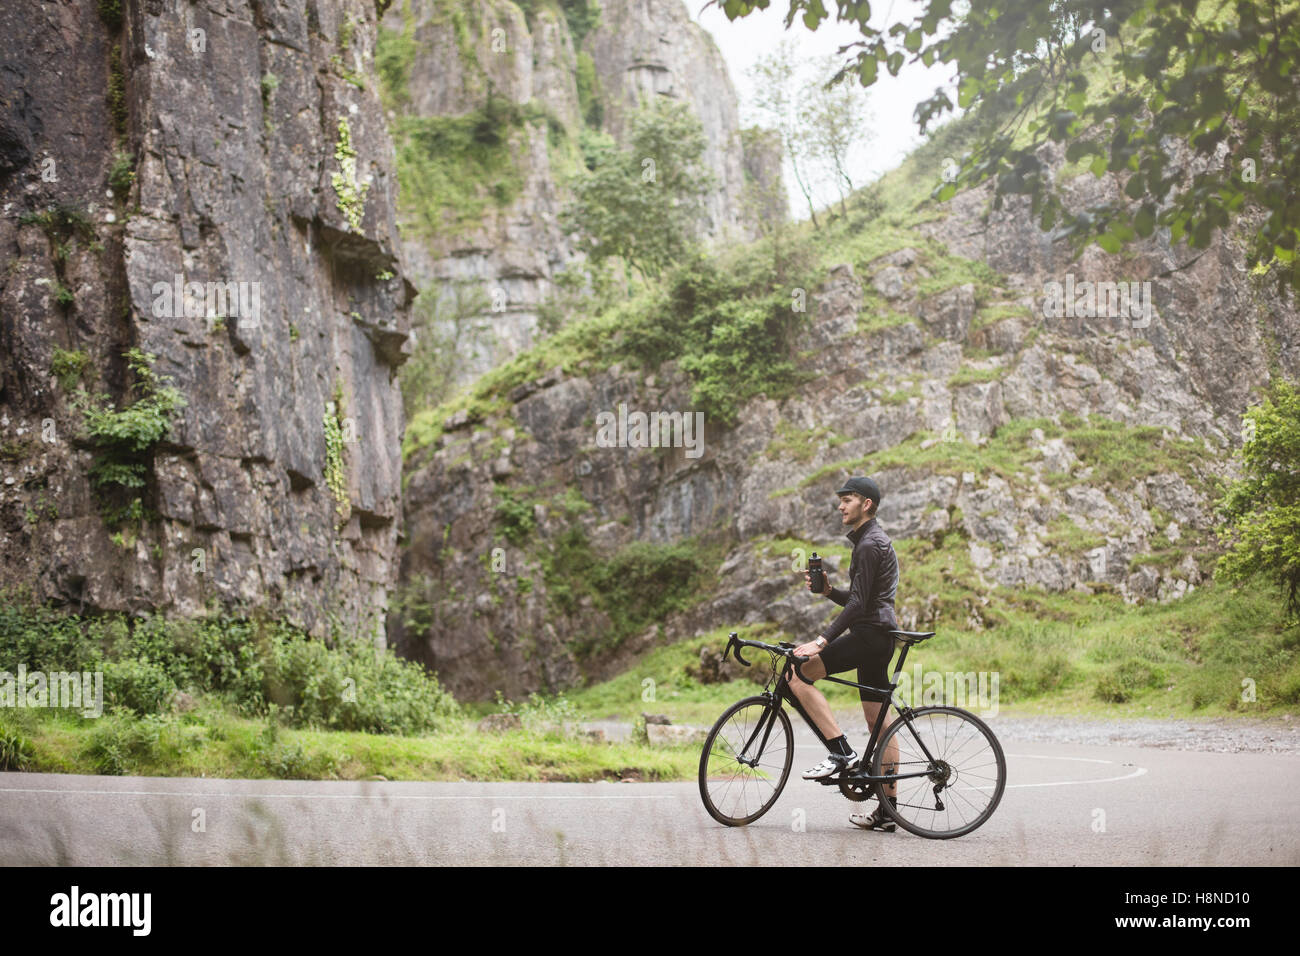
(1139, 771)
(345, 796)
(1065, 783)
(1054, 783)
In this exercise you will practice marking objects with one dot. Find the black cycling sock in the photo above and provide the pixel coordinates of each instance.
(840, 745)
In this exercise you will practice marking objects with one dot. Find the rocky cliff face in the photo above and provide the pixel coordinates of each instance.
(455, 60)
(643, 49)
(963, 391)
(227, 206)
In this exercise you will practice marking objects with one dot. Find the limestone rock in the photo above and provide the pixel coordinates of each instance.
(673, 736)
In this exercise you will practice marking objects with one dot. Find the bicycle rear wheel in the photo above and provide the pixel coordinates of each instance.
(746, 761)
(964, 782)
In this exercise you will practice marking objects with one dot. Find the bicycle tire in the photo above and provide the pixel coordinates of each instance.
(736, 794)
(967, 783)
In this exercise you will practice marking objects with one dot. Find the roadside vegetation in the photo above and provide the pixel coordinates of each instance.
(232, 697)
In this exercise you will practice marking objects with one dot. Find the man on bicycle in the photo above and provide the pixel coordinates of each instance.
(868, 617)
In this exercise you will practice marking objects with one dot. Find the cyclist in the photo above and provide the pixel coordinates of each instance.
(868, 617)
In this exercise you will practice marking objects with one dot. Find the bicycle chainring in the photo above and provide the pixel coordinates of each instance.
(856, 790)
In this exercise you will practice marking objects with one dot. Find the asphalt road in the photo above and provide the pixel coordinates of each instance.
(1065, 805)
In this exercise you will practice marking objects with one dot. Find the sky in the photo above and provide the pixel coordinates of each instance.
(890, 101)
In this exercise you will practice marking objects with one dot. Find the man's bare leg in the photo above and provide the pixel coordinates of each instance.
(874, 710)
(813, 700)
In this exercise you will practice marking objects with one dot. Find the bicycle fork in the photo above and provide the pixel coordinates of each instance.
(764, 726)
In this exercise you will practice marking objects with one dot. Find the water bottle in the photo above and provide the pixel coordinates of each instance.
(817, 577)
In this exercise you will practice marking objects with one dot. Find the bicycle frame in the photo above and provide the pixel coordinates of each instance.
(781, 692)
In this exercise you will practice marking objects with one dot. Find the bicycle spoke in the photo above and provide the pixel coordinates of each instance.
(967, 768)
(746, 763)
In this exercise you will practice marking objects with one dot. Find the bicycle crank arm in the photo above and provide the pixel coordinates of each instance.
(884, 778)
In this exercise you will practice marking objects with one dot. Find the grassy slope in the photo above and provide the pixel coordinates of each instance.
(1055, 653)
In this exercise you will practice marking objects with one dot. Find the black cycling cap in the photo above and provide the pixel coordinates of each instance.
(862, 486)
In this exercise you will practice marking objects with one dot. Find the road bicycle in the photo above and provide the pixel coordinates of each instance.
(950, 772)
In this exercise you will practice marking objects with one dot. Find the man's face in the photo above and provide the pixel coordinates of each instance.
(853, 509)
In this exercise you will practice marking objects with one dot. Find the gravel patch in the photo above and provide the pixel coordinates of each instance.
(1278, 735)
(1220, 735)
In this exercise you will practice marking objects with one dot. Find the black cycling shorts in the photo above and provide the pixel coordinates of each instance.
(869, 651)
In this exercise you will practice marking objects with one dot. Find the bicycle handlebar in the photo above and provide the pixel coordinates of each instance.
(735, 643)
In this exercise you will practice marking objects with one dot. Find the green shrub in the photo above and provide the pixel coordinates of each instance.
(138, 686)
(63, 295)
(117, 90)
(290, 760)
(256, 666)
(110, 12)
(1288, 689)
(121, 175)
(1033, 676)
(16, 751)
(46, 640)
(1122, 681)
(354, 687)
(732, 332)
(514, 515)
(121, 744)
(124, 438)
(636, 586)
(68, 367)
(61, 222)
(555, 718)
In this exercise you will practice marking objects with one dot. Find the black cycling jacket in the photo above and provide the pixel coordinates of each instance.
(873, 579)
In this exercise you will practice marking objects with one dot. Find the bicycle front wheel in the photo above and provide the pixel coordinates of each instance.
(746, 761)
(965, 772)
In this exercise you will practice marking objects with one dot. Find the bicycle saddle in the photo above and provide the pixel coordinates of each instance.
(912, 637)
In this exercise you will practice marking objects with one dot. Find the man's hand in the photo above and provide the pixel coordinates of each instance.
(811, 649)
(826, 581)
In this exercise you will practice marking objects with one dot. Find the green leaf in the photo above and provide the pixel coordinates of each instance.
(867, 70)
(1098, 166)
(1109, 242)
(1145, 221)
(966, 92)
(912, 42)
(1077, 149)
